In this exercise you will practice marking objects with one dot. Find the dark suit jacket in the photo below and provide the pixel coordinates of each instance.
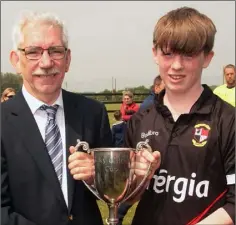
(31, 193)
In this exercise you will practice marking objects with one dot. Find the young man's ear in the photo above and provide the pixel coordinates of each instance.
(15, 61)
(208, 59)
(154, 52)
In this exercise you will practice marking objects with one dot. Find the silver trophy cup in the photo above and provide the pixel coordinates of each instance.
(115, 180)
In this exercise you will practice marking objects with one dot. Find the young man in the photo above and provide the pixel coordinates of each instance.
(193, 129)
(39, 125)
(227, 91)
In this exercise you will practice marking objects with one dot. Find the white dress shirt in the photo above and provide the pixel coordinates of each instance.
(40, 117)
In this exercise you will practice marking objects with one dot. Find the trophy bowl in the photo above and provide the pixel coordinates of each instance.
(115, 180)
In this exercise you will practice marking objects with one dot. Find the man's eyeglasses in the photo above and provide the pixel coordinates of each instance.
(35, 53)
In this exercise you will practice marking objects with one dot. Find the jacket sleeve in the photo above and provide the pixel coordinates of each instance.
(8, 216)
(128, 137)
(228, 154)
(105, 137)
(113, 136)
(147, 101)
(136, 107)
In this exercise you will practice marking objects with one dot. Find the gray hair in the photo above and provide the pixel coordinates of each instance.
(28, 17)
(128, 93)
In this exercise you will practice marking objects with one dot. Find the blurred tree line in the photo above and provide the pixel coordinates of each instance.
(15, 81)
(112, 95)
(11, 80)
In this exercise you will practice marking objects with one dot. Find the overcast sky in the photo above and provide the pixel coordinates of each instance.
(114, 39)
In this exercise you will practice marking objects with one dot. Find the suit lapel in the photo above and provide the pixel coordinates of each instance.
(23, 120)
(74, 131)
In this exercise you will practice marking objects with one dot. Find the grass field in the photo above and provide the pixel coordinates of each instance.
(104, 211)
(113, 106)
(110, 115)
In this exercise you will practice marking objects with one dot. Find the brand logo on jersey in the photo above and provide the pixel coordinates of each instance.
(201, 133)
(179, 187)
(149, 133)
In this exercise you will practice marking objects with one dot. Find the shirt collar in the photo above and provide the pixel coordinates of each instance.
(35, 103)
(202, 106)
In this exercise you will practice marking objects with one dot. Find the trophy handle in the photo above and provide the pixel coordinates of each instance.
(85, 147)
(139, 147)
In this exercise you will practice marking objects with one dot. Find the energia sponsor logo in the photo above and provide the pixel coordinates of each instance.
(180, 186)
(149, 133)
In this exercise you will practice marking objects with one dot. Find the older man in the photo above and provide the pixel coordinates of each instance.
(38, 126)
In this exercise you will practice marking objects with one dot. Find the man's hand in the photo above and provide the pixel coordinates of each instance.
(140, 164)
(81, 165)
(143, 160)
(129, 112)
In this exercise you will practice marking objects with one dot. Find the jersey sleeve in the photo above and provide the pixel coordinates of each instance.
(228, 154)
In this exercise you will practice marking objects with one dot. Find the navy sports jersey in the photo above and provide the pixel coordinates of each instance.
(197, 172)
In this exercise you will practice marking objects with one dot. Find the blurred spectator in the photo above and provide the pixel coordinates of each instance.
(157, 87)
(7, 94)
(118, 130)
(227, 91)
(128, 107)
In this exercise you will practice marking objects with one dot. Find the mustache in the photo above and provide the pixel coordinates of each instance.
(45, 72)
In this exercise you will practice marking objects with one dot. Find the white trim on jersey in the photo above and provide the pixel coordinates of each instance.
(230, 179)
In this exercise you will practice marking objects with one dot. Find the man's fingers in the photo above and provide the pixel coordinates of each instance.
(72, 149)
(143, 160)
(157, 155)
(80, 163)
(146, 156)
(79, 156)
(157, 161)
(82, 170)
(82, 176)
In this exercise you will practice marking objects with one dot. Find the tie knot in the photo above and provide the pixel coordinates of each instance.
(50, 110)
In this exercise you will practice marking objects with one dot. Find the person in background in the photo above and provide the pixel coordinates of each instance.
(118, 130)
(193, 129)
(7, 94)
(128, 107)
(227, 91)
(157, 87)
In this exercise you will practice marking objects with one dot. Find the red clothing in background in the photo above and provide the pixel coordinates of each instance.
(128, 110)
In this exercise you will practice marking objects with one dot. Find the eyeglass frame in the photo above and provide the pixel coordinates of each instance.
(42, 51)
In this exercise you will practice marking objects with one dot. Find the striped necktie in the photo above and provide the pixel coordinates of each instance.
(53, 140)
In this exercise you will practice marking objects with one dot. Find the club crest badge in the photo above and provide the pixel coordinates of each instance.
(200, 134)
